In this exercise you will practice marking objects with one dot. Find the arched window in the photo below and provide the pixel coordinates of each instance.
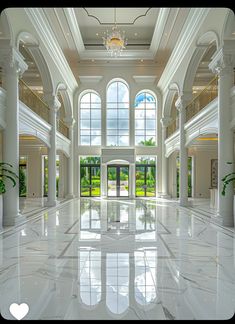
(145, 119)
(90, 119)
(117, 114)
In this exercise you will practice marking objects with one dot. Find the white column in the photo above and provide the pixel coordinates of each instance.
(222, 64)
(61, 192)
(13, 64)
(165, 121)
(54, 105)
(180, 104)
(132, 180)
(103, 183)
(70, 169)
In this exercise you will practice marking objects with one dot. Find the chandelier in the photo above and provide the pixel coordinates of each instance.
(115, 41)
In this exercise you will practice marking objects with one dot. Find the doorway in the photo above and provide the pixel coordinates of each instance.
(118, 180)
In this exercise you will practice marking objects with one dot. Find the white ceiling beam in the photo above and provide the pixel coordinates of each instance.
(75, 30)
(159, 29)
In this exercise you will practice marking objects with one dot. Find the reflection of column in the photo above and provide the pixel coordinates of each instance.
(54, 105)
(70, 167)
(225, 277)
(165, 122)
(13, 64)
(180, 104)
(132, 180)
(104, 180)
(222, 64)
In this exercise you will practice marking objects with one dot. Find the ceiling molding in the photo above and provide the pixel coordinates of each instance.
(159, 28)
(127, 54)
(112, 23)
(74, 28)
(90, 78)
(144, 78)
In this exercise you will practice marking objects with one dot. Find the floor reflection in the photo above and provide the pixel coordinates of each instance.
(118, 259)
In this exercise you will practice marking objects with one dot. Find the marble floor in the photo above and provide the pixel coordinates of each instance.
(102, 259)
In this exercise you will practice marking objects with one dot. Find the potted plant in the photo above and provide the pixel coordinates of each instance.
(5, 174)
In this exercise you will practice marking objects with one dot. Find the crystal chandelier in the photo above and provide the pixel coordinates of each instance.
(115, 41)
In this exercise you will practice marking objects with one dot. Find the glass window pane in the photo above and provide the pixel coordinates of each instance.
(124, 124)
(85, 132)
(123, 132)
(123, 113)
(84, 123)
(95, 140)
(150, 114)
(150, 105)
(112, 92)
(111, 123)
(139, 124)
(112, 140)
(85, 98)
(151, 132)
(123, 93)
(124, 140)
(85, 113)
(138, 140)
(112, 105)
(95, 132)
(139, 113)
(150, 124)
(95, 105)
(140, 132)
(95, 98)
(85, 106)
(122, 105)
(96, 124)
(111, 113)
(96, 113)
(111, 132)
(85, 140)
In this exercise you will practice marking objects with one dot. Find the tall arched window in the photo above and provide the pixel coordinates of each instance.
(145, 119)
(90, 119)
(117, 114)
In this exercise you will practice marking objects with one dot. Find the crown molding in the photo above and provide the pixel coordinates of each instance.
(90, 78)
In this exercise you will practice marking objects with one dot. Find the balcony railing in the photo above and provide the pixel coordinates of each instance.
(62, 128)
(209, 93)
(35, 103)
(172, 128)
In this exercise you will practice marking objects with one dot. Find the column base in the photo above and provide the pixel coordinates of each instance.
(12, 221)
(70, 196)
(184, 203)
(165, 196)
(51, 203)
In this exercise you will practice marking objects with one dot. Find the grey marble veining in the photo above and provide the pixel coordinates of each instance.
(124, 259)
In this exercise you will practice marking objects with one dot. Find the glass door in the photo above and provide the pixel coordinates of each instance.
(90, 176)
(118, 180)
(145, 177)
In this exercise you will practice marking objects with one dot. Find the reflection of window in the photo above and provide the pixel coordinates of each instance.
(117, 114)
(90, 277)
(117, 282)
(90, 215)
(145, 276)
(145, 119)
(90, 119)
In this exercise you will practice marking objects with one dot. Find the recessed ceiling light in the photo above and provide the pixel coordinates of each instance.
(92, 60)
(233, 33)
(136, 34)
(142, 60)
(37, 75)
(97, 34)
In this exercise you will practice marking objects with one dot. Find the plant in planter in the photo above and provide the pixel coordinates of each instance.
(227, 179)
(6, 173)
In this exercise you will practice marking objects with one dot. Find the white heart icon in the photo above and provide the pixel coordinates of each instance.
(19, 311)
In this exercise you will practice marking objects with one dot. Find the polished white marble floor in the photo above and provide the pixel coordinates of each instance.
(118, 259)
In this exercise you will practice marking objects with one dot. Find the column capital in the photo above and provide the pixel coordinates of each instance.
(183, 100)
(223, 60)
(11, 59)
(69, 121)
(52, 101)
(165, 121)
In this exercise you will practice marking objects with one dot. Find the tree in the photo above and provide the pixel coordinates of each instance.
(149, 142)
